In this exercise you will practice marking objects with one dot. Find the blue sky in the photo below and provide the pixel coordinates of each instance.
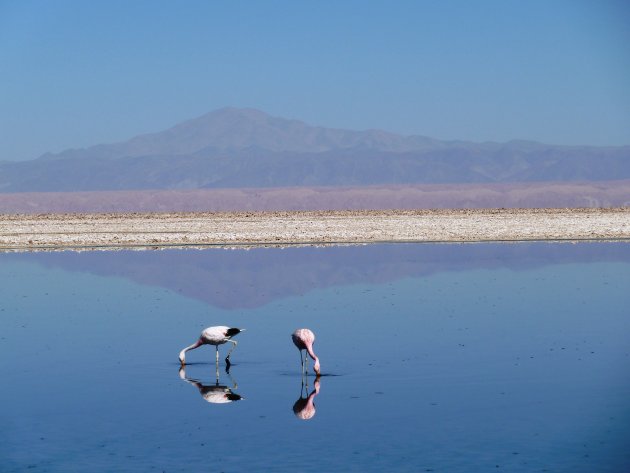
(76, 73)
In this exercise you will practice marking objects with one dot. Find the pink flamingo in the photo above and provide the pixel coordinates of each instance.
(213, 336)
(303, 339)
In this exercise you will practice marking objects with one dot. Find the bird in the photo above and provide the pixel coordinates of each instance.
(303, 339)
(213, 336)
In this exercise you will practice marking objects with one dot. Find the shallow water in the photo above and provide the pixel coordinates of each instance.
(479, 357)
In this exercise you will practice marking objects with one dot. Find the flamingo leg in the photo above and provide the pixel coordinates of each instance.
(216, 364)
(235, 386)
(305, 372)
(302, 394)
(227, 358)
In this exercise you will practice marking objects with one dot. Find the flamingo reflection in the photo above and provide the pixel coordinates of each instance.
(304, 407)
(215, 394)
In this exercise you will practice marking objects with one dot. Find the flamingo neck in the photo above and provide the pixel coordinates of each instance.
(182, 354)
(309, 349)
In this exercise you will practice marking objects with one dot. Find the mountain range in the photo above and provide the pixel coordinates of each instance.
(246, 148)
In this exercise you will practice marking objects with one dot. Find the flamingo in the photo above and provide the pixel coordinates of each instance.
(214, 336)
(303, 339)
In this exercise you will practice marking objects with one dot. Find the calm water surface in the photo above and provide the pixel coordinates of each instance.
(454, 358)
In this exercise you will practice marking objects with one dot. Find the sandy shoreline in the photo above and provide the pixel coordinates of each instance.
(119, 230)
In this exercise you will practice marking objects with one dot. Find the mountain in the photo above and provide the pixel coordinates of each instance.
(238, 148)
(233, 129)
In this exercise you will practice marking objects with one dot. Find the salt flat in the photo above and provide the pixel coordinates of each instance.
(119, 230)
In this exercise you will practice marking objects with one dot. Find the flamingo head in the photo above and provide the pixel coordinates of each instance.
(182, 358)
(316, 367)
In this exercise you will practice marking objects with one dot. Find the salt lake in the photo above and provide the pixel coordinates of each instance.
(435, 357)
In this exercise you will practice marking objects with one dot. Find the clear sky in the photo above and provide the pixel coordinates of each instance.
(78, 73)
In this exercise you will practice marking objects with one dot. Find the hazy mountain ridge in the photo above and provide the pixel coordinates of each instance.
(232, 129)
(248, 148)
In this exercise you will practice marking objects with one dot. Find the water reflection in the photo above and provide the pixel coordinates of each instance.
(214, 393)
(525, 369)
(304, 407)
(277, 274)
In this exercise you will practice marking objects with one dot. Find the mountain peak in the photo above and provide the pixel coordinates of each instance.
(251, 113)
(232, 114)
(231, 128)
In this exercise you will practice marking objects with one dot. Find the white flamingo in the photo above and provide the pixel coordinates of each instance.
(213, 336)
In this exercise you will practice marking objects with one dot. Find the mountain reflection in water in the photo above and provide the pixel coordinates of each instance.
(519, 364)
(248, 279)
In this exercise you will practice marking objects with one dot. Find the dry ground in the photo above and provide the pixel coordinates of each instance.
(416, 196)
(60, 231)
